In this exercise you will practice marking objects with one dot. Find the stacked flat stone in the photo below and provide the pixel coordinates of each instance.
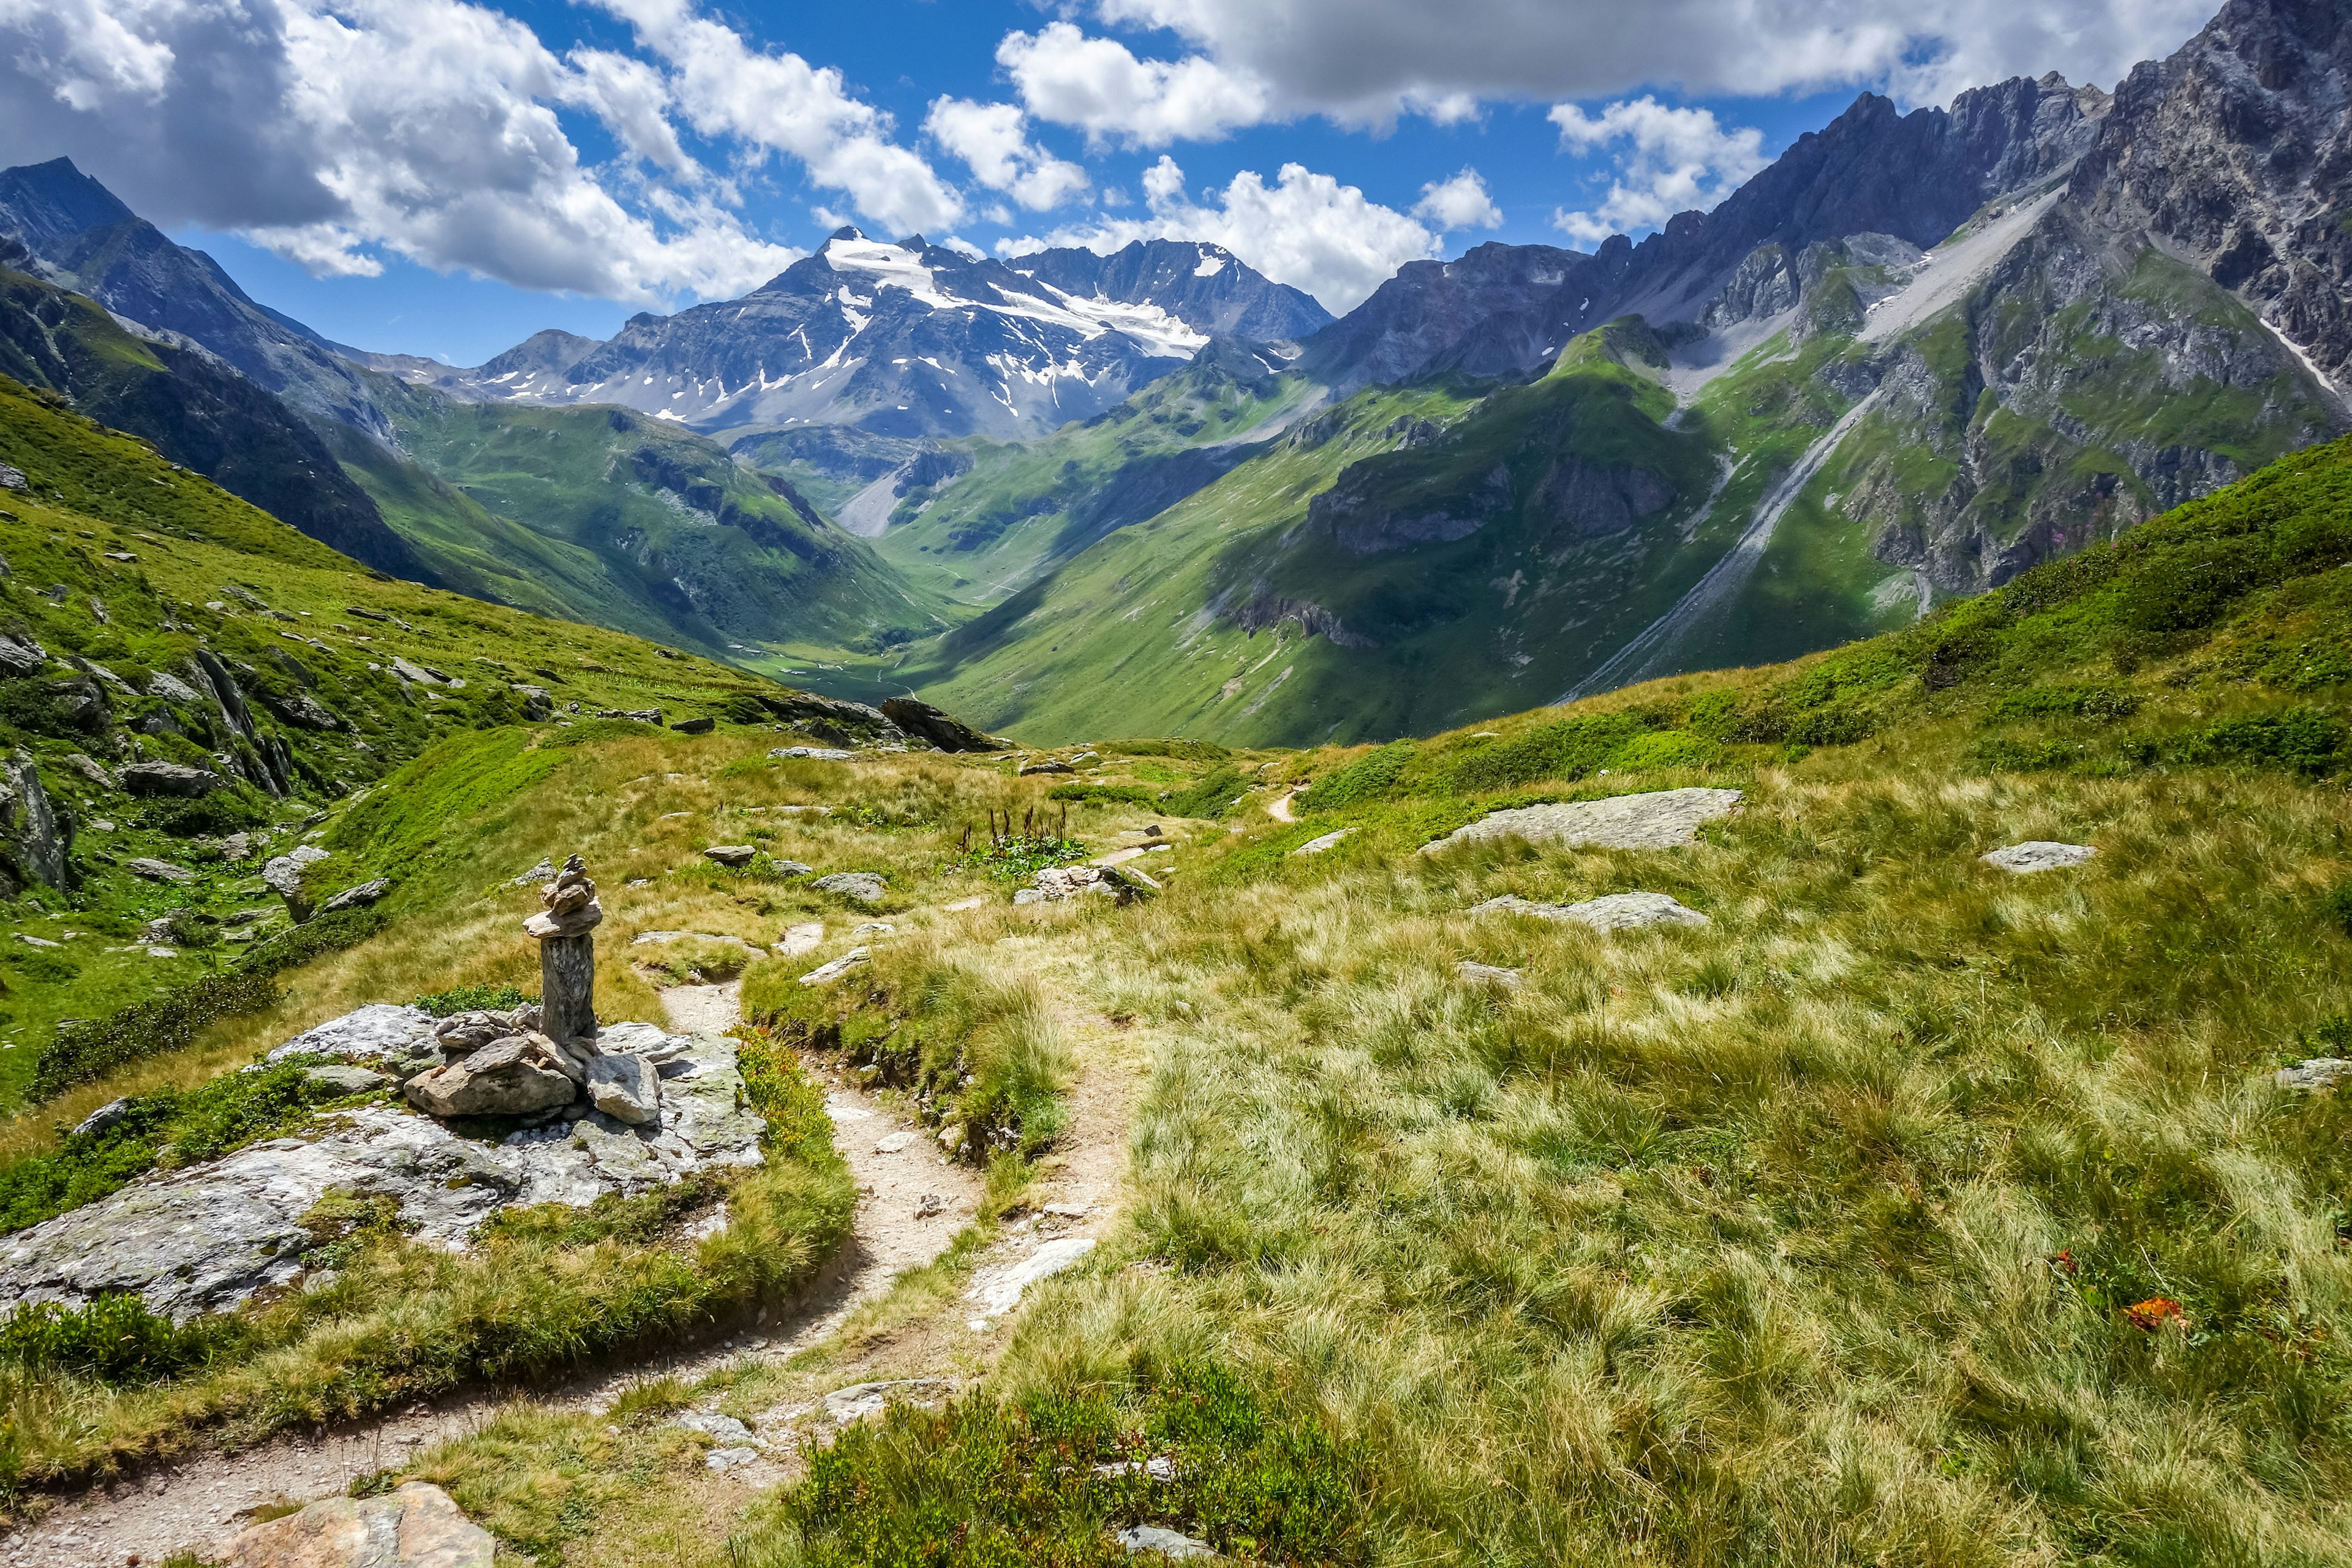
(567, 953)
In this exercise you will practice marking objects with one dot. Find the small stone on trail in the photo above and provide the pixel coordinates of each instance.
(2319, 1072)
(860, 1400)
(929, 1206)
(736, 856)
(712, 1423)
(2038, 854)
(894, 1142)
(728, 1459)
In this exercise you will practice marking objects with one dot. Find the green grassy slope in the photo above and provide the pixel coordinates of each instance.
(1455, 570)
(1019, 507)
(303, 631)
(625, 522)
(198, 411)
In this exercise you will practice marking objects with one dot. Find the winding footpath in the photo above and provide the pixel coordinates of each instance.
(209, 1495)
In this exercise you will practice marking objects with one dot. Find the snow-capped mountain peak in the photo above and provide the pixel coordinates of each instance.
(907, 338)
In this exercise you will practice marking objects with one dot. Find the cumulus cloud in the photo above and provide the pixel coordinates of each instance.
(1372, 59)
(1100, 87)
(993, 140)
(1669, 161)
(1462, 202)
(338, 132)
(1306, 231)
(778, 102)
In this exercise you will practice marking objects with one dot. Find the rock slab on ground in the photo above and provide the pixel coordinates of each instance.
(2319, 1073)
(1614, 911)
(864, 886)
(1142, 1538)
(999, 1290)
(2038, 854)
(1659, 819)
(414, 1526)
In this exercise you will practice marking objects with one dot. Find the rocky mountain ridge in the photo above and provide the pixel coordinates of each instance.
(911, 340)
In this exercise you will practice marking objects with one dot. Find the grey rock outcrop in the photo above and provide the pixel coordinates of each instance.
(860, 887)
(626, 1087)
(2319, 1073)
(813, 754)
(282, 874)
(2038, 854)
(1660, 819)
(202, 1238)
(354, 896)
(826, 974)
(947, 732)
(34, 837)
(734, 856)
(168, 779)
(156, 871)
(414, 1526)
(1613, 911)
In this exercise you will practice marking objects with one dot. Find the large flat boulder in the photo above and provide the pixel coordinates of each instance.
(414, 1526)
(1658, 819)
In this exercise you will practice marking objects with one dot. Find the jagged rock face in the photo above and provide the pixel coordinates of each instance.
(35, 838)
(912, 340)
(2236, 155)
(1503, 309)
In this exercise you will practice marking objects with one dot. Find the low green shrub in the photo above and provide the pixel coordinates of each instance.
(1211, 795)
(1368, 778)
(471, 999)
(1021, 856)
(2304, 740)
(114, 1339)
(978, 1483)
(1104, 794)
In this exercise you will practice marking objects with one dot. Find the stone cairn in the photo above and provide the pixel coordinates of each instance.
(542, 1062)
(567, 953)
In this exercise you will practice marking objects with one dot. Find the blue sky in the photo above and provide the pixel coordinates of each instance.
(443, 177)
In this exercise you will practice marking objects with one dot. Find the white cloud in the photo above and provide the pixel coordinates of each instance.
(1306, 231)
(1462, 202)
(993, 140)
(1669, 161)
(1372, 59)
(1100, 87)
(780, 102)
(340, 132)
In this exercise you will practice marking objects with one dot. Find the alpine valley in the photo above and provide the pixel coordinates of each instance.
(1067, 491)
